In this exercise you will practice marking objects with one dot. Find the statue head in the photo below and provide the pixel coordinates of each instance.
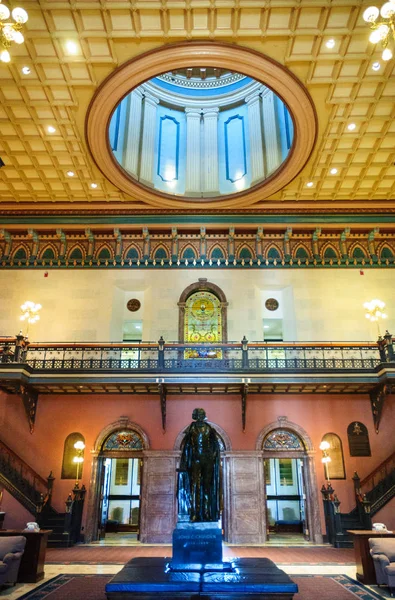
(199, 414)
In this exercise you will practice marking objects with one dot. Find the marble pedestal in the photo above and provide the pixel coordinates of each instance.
(152, 579)
(197, 544)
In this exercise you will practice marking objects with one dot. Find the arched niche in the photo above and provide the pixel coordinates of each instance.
(69, 467)
(336, 467)
(203, 285)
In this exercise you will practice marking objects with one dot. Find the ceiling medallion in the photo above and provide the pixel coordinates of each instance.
(190, 55)
(133, 305)
(271, 304)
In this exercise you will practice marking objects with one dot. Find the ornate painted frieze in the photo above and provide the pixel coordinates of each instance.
(176, 249)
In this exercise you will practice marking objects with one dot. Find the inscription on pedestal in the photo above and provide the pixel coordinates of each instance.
(197, 543)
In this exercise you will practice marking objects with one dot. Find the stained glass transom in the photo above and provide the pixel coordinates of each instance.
(282, 439)
(123, 440)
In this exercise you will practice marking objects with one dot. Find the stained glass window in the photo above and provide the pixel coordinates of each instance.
(123, 440)
(203, 324)
(282, 439)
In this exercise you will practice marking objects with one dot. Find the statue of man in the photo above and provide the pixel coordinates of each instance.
(198, 482)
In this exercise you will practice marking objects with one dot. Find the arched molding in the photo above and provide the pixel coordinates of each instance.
(104, 247)
(75, 247)
(201, 54)
(276, 247)
(245, 247)
(188, 247)
(283, 423)
(130, 247)
(355, 246)
(221, 432)
(23, 247)
(48, 246)
(155, 249)
(203, 285)
(217, 247)
(303, 247)
(328, 245)
(122, 423)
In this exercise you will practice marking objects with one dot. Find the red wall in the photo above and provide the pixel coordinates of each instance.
(16, 516)
(58, 416)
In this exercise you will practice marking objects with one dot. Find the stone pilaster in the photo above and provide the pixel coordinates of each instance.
(193, 159)
(256, 138)
(210, 152)
(272, 151)
(132, 145)
(148, 144)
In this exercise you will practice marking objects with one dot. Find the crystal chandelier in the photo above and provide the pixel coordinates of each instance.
(10, 31)
(383, 29)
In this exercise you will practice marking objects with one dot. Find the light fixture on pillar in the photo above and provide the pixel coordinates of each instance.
(374, 311)
(10, 31)
(30, 312)
(382, 23)
(326, 459)
(79, 458)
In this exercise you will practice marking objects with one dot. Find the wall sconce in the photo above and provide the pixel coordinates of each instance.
(374, 311)
(30, 314)
(326, 459)
(79, 458)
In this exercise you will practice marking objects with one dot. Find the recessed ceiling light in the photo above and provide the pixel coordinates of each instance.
(70, 173)
(266, 326)
(351, 127)
(310, 184)
(387, 54)
(71, 47)
(26, 70)
(51, 129)
(93, 186)
(330, 43)
(376, 66)
(333, 171)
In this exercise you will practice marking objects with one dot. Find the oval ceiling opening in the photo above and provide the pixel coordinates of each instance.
(201, 132)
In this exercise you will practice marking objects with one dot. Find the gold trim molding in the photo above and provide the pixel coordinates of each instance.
(201, 54)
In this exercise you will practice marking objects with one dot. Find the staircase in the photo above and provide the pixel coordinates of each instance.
(35, 494)
(371, 494)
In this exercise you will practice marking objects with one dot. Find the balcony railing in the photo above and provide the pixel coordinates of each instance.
(172, 357)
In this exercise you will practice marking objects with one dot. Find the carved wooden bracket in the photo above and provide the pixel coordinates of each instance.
(162, 394)
(244, 395)
(377, 399)
(29, 398)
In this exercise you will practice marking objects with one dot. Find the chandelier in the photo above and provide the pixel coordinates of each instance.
(10, 31)
(383, 29)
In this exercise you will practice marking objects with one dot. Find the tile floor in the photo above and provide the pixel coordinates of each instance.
(51, 570)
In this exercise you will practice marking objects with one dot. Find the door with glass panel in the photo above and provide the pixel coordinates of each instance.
(284, 493)
(121, 494)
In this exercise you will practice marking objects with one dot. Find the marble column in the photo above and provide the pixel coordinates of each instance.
(210, 152)
(244, 497)
(148, 144)
(132, 143)
(272, 153)
(193, 159)
(256, 138)
(159, 496)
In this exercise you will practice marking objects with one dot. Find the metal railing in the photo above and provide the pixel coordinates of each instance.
(172, 357)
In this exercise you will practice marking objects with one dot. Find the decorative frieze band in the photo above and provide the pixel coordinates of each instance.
(248, 249)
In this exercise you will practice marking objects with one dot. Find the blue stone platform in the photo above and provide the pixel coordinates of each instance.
(247, 579)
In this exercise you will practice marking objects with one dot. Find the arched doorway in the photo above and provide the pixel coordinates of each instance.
(291, 494)
(225, 446)
(116, 482)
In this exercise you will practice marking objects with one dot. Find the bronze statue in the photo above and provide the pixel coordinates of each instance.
(199, 472)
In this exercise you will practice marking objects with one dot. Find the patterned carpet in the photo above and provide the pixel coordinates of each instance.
(120, 555)
(91, 587)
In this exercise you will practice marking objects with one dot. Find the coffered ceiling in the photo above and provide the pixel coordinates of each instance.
(344, 88)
